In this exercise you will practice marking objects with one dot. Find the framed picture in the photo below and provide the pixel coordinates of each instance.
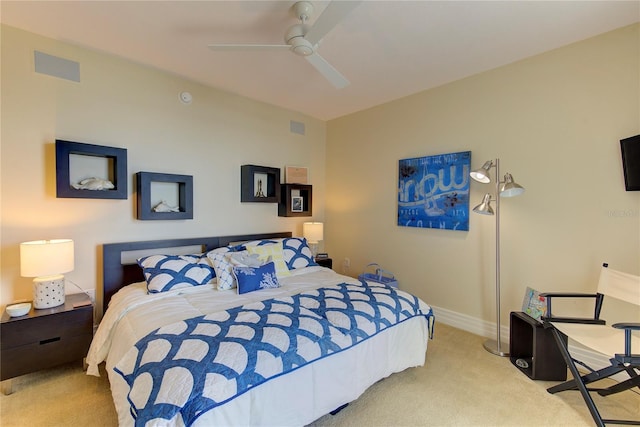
(297, 204)
(433, 191)
(296, 175)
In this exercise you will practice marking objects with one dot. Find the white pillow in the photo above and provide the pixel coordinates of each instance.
(222, 265)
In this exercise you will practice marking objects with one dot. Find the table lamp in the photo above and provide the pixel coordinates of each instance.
(46, 260)
(313, 232)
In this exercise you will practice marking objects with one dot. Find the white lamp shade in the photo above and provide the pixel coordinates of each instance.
(313, 231)
(46, 257)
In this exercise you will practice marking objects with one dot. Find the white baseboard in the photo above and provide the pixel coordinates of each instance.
(488, 329)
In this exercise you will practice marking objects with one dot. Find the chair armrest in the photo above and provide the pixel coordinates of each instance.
(631, 326)
(585, 320)
(567, 295)
(598, 297)
(628, 327)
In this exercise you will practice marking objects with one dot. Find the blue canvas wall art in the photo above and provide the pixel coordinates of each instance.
(433, 191)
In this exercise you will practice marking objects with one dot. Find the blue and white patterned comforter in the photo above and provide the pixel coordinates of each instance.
(191, 366)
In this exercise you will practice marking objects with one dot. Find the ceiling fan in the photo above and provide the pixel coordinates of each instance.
(303, 39)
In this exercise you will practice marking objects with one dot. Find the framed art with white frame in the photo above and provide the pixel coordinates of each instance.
(297, 203)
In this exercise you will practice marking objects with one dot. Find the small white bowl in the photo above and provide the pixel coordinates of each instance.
(16, 310)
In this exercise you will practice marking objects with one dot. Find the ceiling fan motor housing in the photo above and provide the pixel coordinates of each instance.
(294, 37)
(303, 10)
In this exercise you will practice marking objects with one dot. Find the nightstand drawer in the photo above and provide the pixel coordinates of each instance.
(41, 355)
(36, 330)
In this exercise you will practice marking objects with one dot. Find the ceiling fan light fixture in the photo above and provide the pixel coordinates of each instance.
(300, 46)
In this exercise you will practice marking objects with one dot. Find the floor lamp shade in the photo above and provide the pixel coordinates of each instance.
(47, 260)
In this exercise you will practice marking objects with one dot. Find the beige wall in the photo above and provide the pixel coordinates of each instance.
(555, 121)
(122, 104)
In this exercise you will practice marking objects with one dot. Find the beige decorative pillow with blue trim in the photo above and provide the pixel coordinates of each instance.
(277, 256)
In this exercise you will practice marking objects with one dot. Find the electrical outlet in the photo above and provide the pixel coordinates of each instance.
(346, 263)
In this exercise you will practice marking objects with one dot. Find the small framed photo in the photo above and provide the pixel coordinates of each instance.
(296, 204)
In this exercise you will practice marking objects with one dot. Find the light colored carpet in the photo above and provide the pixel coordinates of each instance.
(460, 385)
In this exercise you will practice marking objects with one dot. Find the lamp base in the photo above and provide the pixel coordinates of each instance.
(48, 291)
(492, 347)
(314, 249)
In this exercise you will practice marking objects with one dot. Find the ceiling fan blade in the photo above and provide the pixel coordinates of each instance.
(335, 12)
(249, 46)
(327, 70)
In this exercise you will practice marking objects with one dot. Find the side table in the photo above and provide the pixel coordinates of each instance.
(325, 262)
(533, 349)
(45, 338)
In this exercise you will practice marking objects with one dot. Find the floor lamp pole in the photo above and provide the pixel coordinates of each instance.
(495, 346)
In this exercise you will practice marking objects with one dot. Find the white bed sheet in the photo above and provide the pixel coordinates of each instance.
(297, 398)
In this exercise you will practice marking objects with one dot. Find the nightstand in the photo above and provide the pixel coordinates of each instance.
(325, 262)
(45, 338)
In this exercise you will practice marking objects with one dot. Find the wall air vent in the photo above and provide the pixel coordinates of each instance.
(296, 127)
(57, 67)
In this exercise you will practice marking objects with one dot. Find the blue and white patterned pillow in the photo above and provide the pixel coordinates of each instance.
(222, 265)
(297, 253)
(251, 279)
(168, 272)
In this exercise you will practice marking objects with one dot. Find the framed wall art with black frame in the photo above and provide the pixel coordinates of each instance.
(90, 171)
(164, 196)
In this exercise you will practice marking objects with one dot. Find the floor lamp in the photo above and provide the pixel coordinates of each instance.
(505, 188)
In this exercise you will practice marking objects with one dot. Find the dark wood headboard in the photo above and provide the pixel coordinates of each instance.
(117, 273)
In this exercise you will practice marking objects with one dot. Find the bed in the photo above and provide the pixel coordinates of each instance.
(282, 353)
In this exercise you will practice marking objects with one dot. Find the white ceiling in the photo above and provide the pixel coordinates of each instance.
(387, 49)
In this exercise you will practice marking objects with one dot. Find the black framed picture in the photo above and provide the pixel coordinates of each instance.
(164, 196)
(90, 171)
